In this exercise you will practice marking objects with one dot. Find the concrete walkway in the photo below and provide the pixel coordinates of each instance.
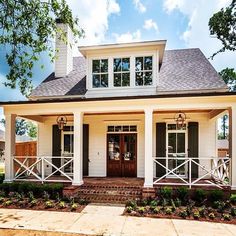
(105, 220)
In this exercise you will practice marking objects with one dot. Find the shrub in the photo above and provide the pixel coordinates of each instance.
(168, 211)
(216, 195)
(8, 203)
(166, 192)
(82, 201)
(144, 202)
(211, 215)
(183, 214)
(202, 211)
(2, 177)
(178, 202)
(49, 204)
(233, 198)
(33, 202)
(131, 203)
(173, 205)
(196, 214)
(182, 192)
(153, 203)
(219, 205)
(141, 210)
(1, 199)
(200, 195)
(226, 217)
(61, 204)
(233, 211)
(129, 209)
(46, 196)
(164, 202)
(74, 206)
(156, 210)
(31, 196)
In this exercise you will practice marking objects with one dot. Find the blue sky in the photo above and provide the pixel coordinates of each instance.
(183, 23)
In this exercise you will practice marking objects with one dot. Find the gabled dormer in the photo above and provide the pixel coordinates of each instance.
(123, 69)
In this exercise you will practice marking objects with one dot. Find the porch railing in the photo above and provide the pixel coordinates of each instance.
(43, 168)
(208, 171)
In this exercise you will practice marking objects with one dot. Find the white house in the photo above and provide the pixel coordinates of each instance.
(126, 110)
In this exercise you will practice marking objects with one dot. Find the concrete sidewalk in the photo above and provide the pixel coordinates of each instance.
(105, 220)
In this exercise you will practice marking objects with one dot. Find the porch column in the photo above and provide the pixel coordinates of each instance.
(148, 182)
(9, 146)
(78, 149)
(232, 145)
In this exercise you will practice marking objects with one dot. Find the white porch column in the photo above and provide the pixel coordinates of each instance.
(148, 182)
(9, 146)
(78, 149)
(232, 146)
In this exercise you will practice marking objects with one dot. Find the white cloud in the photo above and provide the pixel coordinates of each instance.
(127, 37)
(93, 18)
(139, 6)
(197, 32)
(150, 24)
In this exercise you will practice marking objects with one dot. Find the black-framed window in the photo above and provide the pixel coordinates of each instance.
(121, 72)
(143, 71)
(100, 73)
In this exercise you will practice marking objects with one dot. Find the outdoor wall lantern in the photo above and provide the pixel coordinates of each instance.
(180, 119)
(61, 122)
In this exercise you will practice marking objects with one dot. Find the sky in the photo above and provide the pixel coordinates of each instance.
(183, 23)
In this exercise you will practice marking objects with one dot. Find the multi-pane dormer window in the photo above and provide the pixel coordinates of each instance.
(143, 71)
(121, 72)
(100, 73)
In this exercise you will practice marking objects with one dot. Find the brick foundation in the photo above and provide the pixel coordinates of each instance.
(148, 193)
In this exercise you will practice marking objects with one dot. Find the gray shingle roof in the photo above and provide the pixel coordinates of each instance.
(184, 70)
(72, 84)
(188, 70)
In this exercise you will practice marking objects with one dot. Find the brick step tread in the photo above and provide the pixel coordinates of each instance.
(108, 195)
(108, 199)
(88, 186)
(109, 192)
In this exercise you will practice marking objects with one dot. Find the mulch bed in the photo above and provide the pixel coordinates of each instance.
(175, 215)
(40, 206)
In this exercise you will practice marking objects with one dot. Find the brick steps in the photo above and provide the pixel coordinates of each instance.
(109, 193)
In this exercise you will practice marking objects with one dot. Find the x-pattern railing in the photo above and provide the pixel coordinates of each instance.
(32, 168)
(215, 171)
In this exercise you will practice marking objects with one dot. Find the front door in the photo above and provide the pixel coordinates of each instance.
(122, 155)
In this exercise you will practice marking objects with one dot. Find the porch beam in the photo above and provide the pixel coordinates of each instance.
(78, 149)
(148, 170)
(215, 113)
(10, 139)
(36, 118)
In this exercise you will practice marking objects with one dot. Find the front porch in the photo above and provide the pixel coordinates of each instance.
(125, 141)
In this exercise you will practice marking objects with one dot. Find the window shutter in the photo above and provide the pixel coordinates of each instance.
(193, 146)
(85, 149)
(56, 147)
(160, 148)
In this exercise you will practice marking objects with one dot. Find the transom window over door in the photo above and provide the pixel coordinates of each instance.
(143, 71)
(121, 69)
(100, 73)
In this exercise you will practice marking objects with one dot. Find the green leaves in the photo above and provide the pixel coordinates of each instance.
(229, 76)
(28, 27)
(223, 25)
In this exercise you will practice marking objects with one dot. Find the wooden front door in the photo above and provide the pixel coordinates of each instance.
(122, 155)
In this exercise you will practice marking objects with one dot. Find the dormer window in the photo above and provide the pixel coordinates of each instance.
(100, 73)
(143, 71)
(121, 70)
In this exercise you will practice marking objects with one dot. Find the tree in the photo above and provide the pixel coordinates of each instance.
(32, 130)
(223, 25)
(21, 126)
(27, 27)
(229, 76)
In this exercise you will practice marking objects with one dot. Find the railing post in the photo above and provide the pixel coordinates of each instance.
(190, 173)
(43, 169)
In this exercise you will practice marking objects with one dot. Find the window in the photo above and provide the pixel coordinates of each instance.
(143, 71)
(122, 128)
(100, 73)
(121, 69)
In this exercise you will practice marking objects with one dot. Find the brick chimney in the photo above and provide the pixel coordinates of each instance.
(64, 57)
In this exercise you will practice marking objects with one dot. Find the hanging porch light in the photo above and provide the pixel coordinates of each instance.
(61, 122)
(180, 119)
